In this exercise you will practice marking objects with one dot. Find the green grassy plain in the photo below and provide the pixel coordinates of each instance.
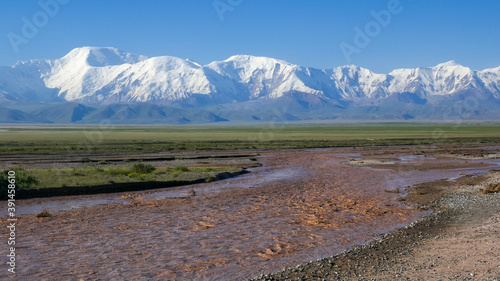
(56, 140)
(88, 176)
(93, 141)
(95, 175)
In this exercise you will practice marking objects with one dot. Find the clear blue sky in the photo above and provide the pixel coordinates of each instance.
(308, 33)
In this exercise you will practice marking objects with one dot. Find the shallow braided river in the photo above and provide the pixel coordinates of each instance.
(299, 206)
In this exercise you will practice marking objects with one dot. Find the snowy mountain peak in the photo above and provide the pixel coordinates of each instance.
(101, 56)
(350, 67)
(494, 69)
(94, 75)
(452, 67)
(169, 63)
(194, 63)
(240, 58)
(246, 68)
(255, 61)
(354, 70)
(448, 63)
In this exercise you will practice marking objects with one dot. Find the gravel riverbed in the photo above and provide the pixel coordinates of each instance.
(458, 241)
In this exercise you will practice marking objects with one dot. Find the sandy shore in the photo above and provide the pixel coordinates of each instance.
(459, 241)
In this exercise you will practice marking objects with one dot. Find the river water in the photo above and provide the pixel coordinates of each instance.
(299, 206)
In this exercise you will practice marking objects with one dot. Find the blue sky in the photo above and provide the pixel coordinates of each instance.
(308, 33)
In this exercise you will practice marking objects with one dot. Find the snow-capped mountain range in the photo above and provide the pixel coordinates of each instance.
(95, 77)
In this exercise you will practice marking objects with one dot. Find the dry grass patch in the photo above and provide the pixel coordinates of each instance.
(44, 214)
(492, 188)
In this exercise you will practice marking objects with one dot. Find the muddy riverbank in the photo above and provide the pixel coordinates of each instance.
(459, 241)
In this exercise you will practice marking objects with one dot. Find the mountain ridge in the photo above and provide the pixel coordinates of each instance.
(97, 77)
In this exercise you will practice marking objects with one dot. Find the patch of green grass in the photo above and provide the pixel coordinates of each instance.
(142, 168)
(118, 171)
(181, 168)
(85, 160)
(22, 179)
(175, 174)
(89, 176)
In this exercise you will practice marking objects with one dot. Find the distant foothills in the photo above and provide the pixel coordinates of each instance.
(91, 85)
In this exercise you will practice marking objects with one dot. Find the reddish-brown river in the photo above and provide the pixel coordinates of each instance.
(299, 206)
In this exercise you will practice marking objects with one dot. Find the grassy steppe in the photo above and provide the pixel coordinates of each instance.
(87, 142)
(56, 140)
